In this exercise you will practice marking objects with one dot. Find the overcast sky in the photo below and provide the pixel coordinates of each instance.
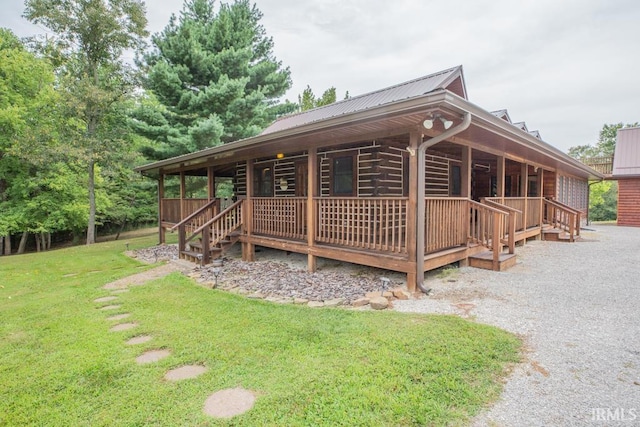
(565, 67)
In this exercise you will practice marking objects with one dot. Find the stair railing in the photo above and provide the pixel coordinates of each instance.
(563, 217)
(215, 230)
(510, 224)
(487, 228)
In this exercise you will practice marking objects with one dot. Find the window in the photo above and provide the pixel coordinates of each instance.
(342, 175)
(263, 181)
(456, 181)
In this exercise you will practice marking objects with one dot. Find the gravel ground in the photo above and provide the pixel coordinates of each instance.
(577, 308)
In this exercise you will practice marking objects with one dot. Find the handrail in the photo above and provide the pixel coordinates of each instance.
(194, 214)
(214, 219)
(569, 218)
(493, 227)
(511, 242)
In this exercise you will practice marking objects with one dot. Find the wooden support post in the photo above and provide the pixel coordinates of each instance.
(183, 193)
(206, 250)
(161, 231)
(540, 194)
(465, 172)
(312, 192)
(415, 219)
(500, 178)
(524, 192)
(211, 183)
(248, 248)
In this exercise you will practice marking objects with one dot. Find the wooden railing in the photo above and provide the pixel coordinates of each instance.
(446, 223)
(487, 228)
(510, 224)
(371, 223)
(214, 230)
(282, 217)
(563, 217)
(172, 208)
(199, 216)
(529, 208)
(602, 164)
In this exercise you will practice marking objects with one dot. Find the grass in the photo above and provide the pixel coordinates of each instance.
(59, 365)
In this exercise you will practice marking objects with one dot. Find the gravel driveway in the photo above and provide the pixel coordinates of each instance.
(577, 308)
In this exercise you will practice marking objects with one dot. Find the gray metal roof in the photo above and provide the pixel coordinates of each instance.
(626, 160)
(410, 89)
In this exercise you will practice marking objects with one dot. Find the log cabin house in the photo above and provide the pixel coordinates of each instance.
(626, 170)
(408, 178)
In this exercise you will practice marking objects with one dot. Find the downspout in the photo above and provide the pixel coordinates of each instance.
(421, 204)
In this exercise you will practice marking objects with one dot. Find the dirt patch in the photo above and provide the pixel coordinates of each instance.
(229, 403)
(144, 277)
(140, 339)
(152, 356)
(185, 372)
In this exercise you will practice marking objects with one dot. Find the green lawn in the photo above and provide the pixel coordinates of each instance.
(59, 364)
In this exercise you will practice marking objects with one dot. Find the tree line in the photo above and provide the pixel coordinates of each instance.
(76, 118)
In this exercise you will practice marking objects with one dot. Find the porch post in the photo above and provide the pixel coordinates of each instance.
(465, 173)
(183, 192)
(416, 213)
(500, 178)
(161, 230)
(312, 191)
(211, 183)
(248, 248)
(524, 189)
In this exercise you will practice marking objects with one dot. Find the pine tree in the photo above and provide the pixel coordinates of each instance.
(212, 79)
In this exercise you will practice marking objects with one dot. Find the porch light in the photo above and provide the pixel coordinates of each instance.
(447, 123)
(280, 156)
(284, 184)
(428, 124)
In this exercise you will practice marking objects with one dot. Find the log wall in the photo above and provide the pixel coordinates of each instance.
(628, 205)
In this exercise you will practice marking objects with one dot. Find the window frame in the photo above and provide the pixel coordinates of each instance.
(333, 158)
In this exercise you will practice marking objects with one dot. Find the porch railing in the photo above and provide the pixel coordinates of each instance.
(280, 217)
(510, 224)
(562, 217)
(529, 208)
(447, 223)
(371, 223)
(487, 227)
(172, 208)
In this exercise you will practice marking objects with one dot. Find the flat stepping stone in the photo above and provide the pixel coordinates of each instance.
(229, 402)
(110, 307)
(123, 327)
(152, 356)
(140, 339)
(185, 372)
(70, 275)
(143, 277)
(120, 291)
(119, 316)
(106, 299)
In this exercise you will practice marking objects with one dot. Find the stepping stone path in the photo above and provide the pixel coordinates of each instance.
(123, 327)
(152, 356)
(185, 372)
(106, 299)
(140, 339)
(119, 316)
(222, 404)
(229, 403)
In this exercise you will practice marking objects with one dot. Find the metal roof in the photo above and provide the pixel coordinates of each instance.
(410, 89)
(626, 160)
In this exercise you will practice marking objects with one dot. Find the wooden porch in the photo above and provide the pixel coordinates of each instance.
(372, 231)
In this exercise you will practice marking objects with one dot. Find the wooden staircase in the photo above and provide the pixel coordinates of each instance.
(203, 241)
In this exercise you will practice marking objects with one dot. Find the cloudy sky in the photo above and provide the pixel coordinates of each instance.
(565, 67)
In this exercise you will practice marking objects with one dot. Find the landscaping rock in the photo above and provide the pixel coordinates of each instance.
(335, 302)
(315, 304)
(300, 301)
(379, 303)
(360, 302)
(257, 295)
(401, 294)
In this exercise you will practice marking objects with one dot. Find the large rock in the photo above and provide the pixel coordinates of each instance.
(401, 294)
(360, 302)
(334, 302)
(379, 303)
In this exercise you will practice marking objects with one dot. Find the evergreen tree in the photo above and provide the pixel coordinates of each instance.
(212, 79)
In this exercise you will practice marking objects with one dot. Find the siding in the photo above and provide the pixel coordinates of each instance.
(629, 202)
(573, 192)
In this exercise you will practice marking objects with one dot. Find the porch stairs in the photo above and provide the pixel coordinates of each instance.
(201, 240)
(485, 260)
